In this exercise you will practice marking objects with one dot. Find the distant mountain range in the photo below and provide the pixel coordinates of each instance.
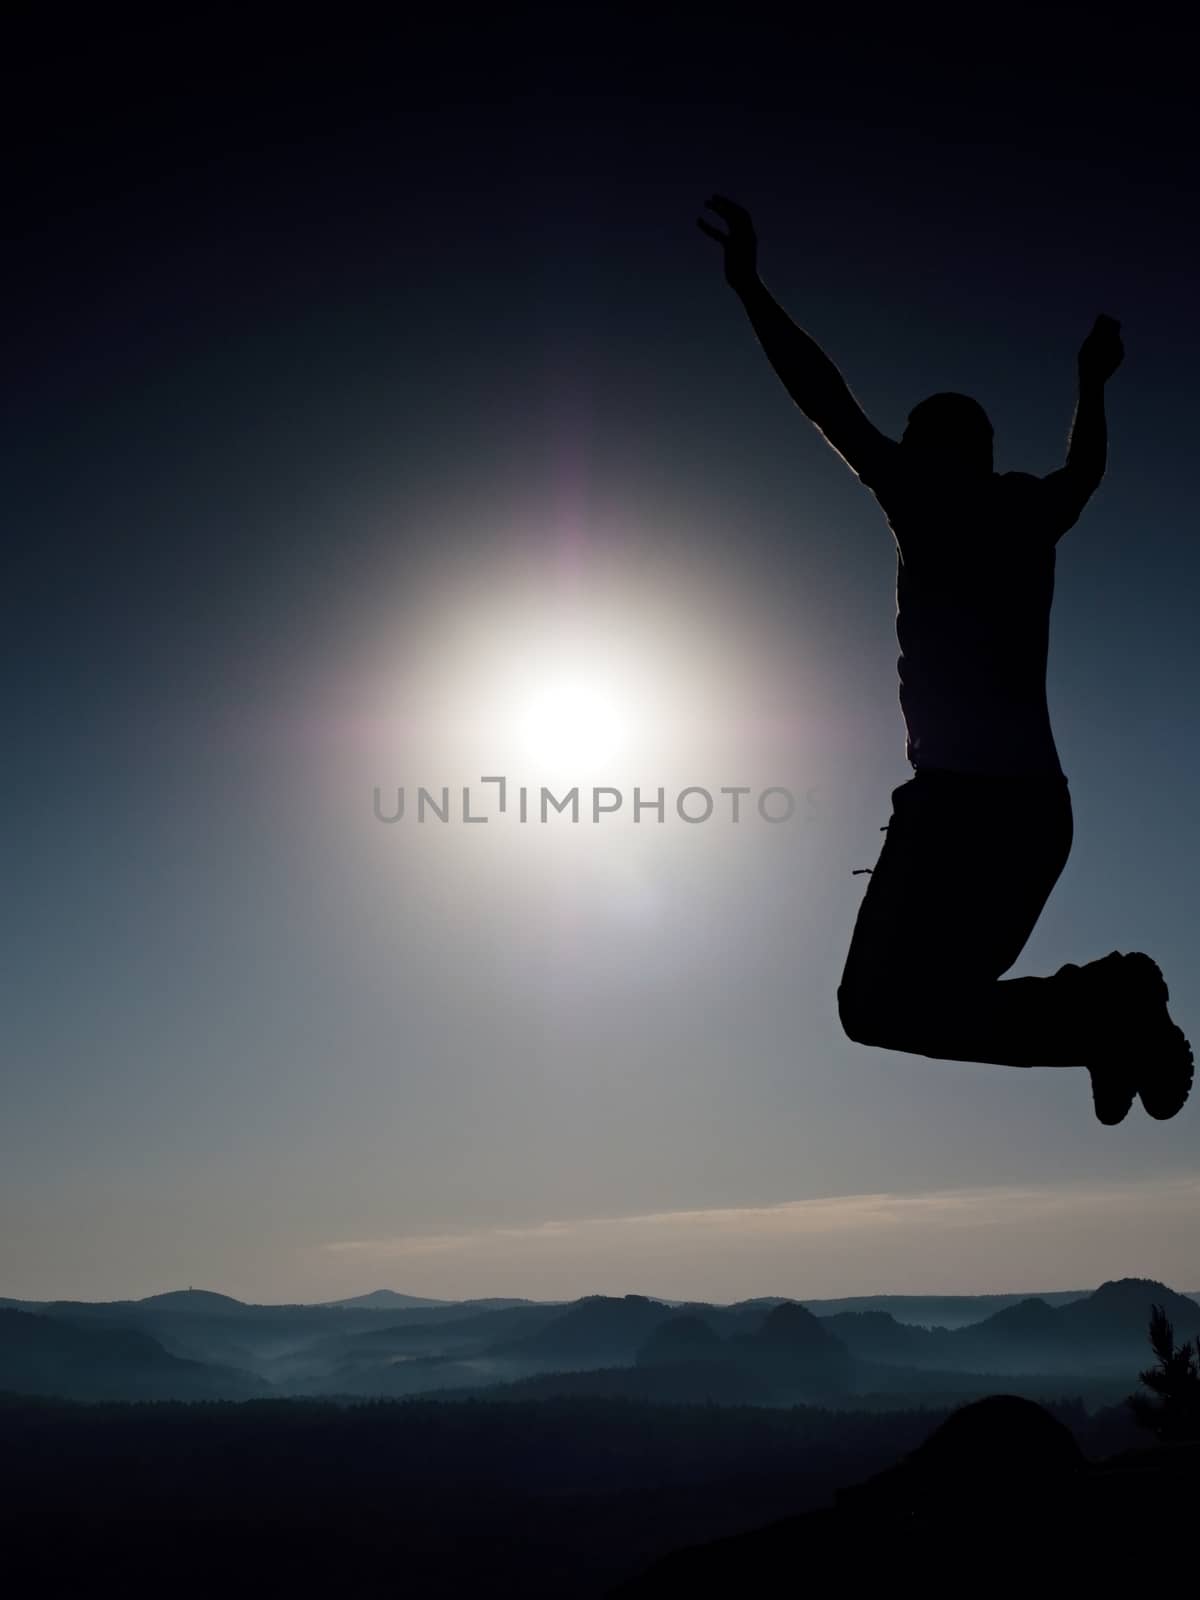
(193, 1343)
(389, 1300)
(51, 1356)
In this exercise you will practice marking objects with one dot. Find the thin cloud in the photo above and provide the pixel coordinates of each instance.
(947, 1210)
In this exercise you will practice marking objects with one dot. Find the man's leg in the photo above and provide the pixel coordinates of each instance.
(966, 868)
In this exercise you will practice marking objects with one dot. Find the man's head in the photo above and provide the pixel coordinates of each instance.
(952, 430)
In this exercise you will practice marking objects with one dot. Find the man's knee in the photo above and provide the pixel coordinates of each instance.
(871, 1017)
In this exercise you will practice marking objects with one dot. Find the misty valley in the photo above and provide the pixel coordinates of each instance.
(567, 1448)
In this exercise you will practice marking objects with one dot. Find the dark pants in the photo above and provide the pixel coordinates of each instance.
(967, 864)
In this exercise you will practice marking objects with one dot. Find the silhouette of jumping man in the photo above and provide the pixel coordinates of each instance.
(980, 833)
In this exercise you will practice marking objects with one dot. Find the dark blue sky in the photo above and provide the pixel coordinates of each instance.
(346, 366)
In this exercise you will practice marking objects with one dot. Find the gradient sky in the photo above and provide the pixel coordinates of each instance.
(358, 385)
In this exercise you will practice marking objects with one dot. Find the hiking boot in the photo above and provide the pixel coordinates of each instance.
(1159, 1054)
(1114, 1080)
(1113, 1090)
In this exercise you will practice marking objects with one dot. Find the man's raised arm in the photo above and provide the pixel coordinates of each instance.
(806, 372)
(1073, 485)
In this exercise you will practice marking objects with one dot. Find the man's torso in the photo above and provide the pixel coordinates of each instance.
(974, 587)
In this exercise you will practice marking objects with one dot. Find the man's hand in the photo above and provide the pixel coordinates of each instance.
(740, 243)
(1102, 352)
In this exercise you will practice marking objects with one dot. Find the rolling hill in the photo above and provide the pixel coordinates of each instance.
(47, 1356)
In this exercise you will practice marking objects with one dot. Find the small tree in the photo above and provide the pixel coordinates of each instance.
(1172, 1409)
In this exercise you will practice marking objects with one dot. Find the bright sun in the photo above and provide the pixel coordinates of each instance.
(572, 724)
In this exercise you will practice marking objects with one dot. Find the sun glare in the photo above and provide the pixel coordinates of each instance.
(572, 723)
